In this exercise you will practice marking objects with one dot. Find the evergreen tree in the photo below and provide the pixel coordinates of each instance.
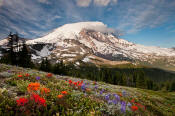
(167, 86)
(9, 56)
(62, 68)
(124, 78)
(120, 80)
(25, 57)
(42, 66)
(140, 81)
(12, 52)
(56, 68)
(45, 65)
(155, 87)
(149, 84)
(134, 79)
(172, 87)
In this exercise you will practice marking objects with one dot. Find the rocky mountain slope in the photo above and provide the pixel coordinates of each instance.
(84, 40)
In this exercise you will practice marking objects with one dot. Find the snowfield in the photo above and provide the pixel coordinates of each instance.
(72, 31)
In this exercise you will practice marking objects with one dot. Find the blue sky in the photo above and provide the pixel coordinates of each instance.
(148, 22)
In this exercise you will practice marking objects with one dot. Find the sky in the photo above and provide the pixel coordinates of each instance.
(147, 22)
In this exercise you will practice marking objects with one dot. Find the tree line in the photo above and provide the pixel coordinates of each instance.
(131, 77)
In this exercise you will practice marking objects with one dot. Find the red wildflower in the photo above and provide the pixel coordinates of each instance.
(140, 105)
(132, 100)
(27, 75)
(19, 75)
(49, 75)
(39, 100)
(75, 83)
(79, 84)
(42, 101)
(60, 96)
(22, 101)
(34, 97)
(70, 81)
(81, 81)
(134, 108)
(120, 95)
(64, 92)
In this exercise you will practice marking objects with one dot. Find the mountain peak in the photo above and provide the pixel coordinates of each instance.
(71, 31)
(74, 28)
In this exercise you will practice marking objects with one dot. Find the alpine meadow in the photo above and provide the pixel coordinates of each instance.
(87, 58)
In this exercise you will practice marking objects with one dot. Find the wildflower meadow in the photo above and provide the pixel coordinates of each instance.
(26, 92)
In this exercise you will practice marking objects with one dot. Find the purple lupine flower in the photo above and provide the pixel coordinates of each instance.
(110, 101)
(114, 101)
(129, 104)
(109, 94)
(96, 86)
(107, 97)
(101, 92)
(83, 87)
(123, 106)
(38, 78)
(9, 71)
(117, 97)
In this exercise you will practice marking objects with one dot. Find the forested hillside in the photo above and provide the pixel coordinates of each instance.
(126, 75)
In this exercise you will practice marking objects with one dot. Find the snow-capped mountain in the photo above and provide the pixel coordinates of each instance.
(87, 40)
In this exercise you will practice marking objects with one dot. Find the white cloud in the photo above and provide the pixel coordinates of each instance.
(55, 17)
(101, 2)
(83, 3)
(101, 28)
(148, 14)
(86, 3)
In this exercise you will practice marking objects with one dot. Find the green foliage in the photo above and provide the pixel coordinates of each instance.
(6, 59)
(45, 65)
(22, 86)
(12, 82)
(7, 105)
(173, 86)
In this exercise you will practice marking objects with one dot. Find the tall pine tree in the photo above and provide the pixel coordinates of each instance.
(25, 57)
(45, 65)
